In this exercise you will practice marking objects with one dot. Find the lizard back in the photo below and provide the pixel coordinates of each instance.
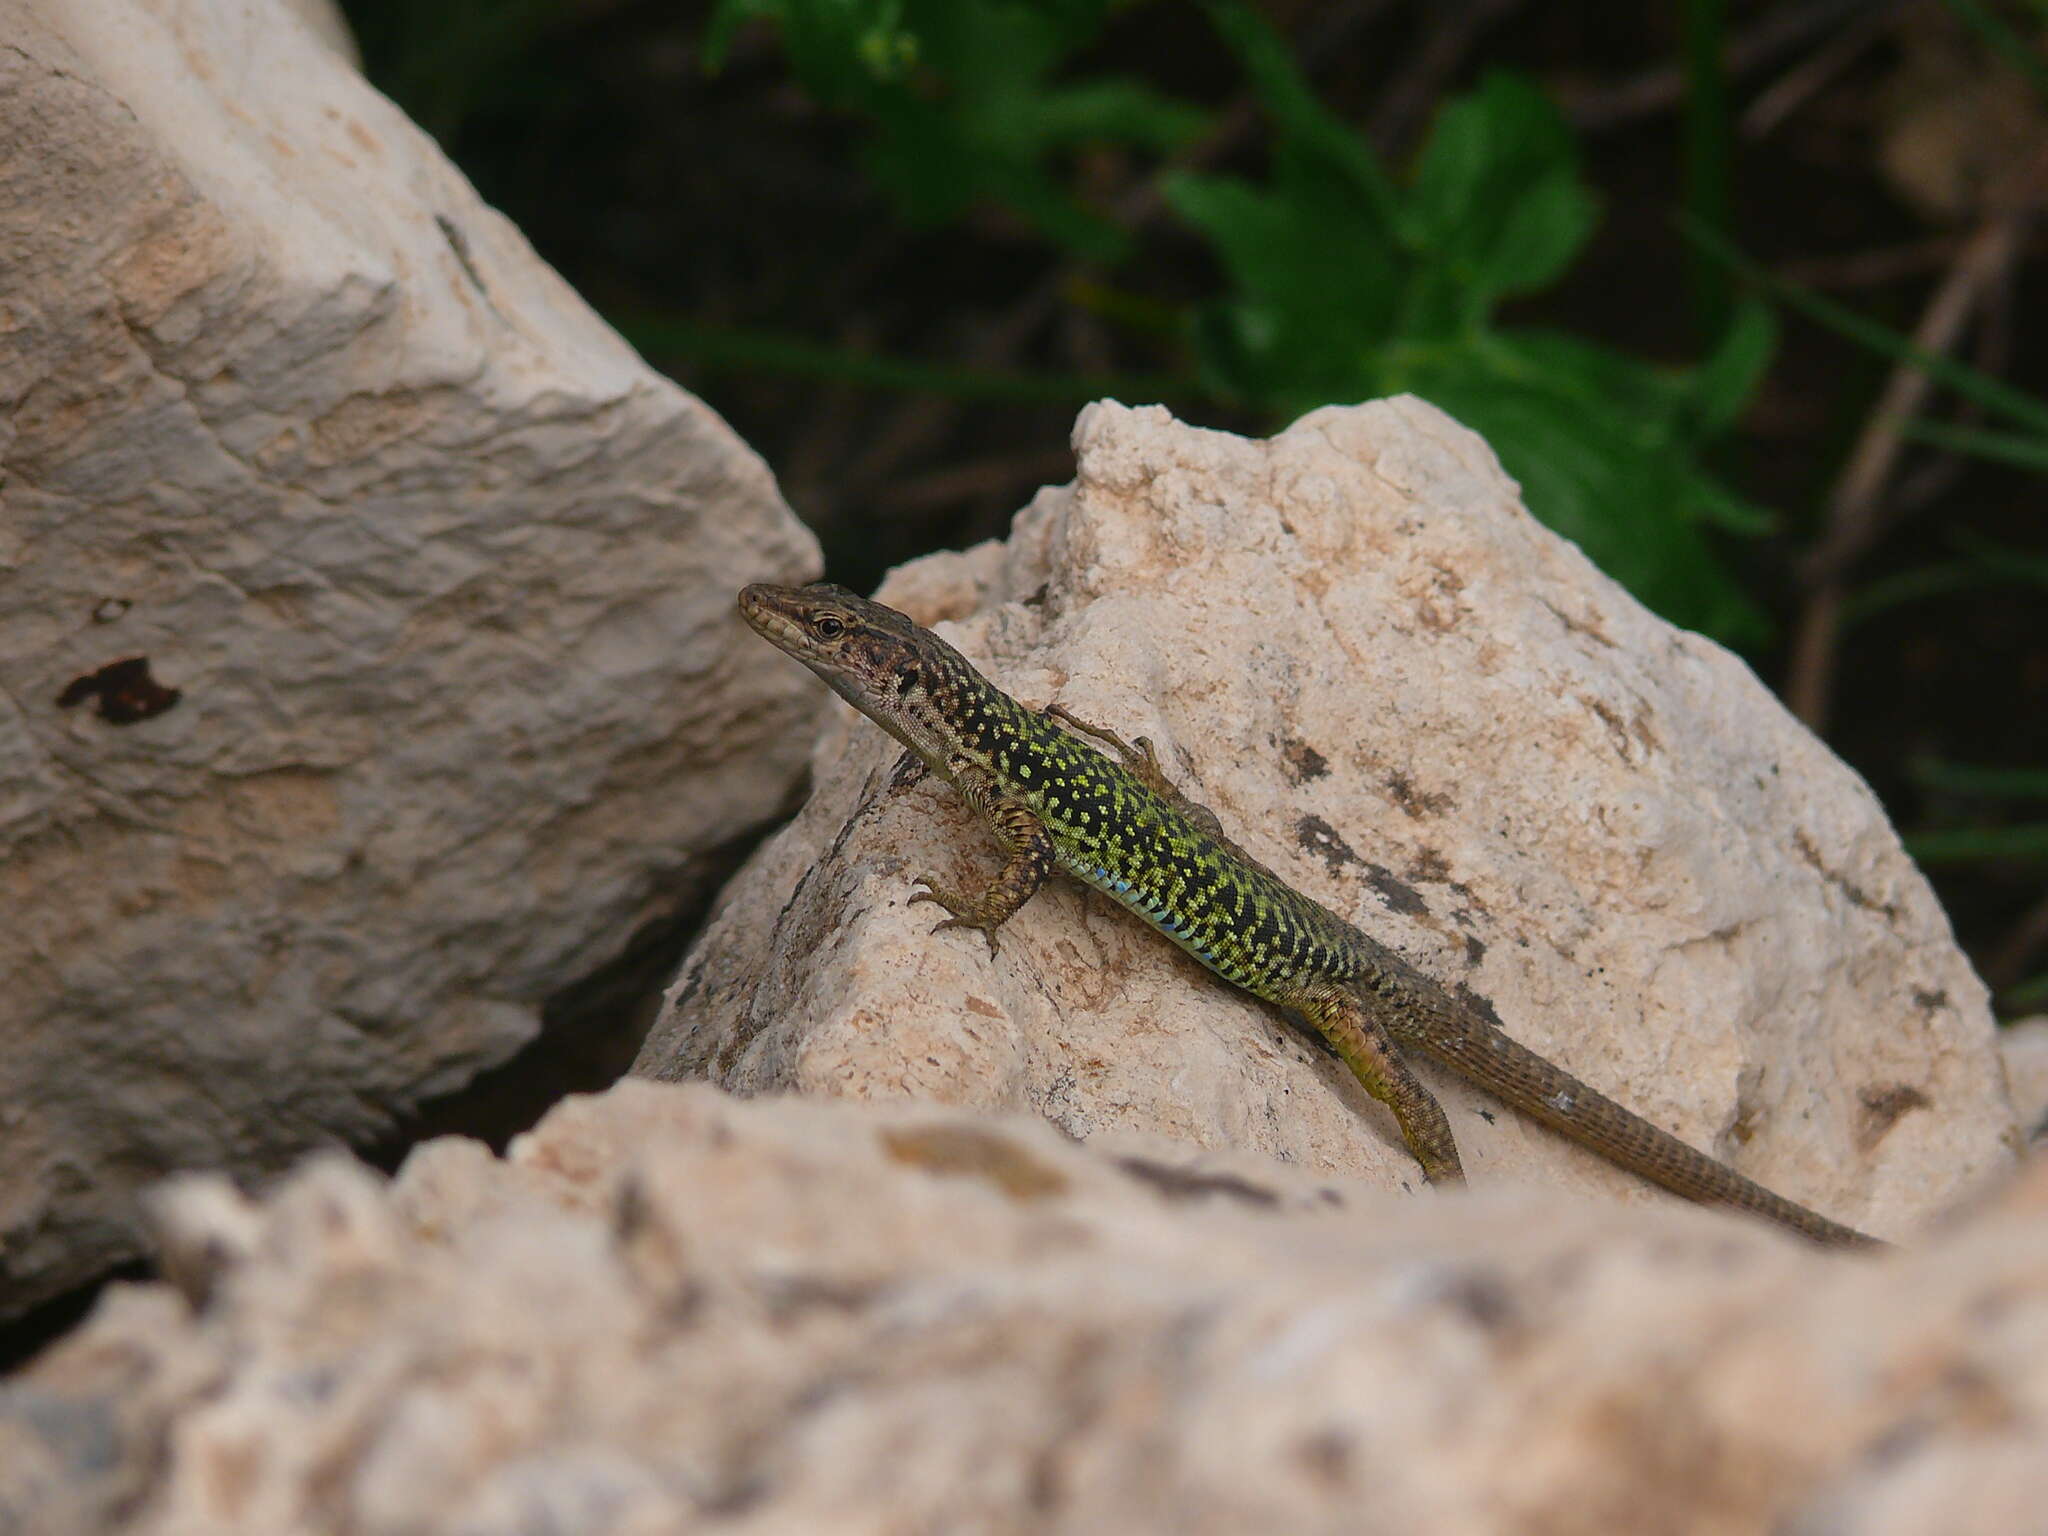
(1146, 853)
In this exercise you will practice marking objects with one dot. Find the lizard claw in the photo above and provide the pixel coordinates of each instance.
(924, 890)
(963, 914)
(966, 922)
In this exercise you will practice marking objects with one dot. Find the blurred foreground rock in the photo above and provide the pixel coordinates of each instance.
(1434, 715)
(367, 664)
(2025, 1045)
(669, 1311)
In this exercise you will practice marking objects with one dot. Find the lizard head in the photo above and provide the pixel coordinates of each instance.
(873, 657)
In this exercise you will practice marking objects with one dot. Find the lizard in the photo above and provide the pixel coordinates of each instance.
(1058, 803)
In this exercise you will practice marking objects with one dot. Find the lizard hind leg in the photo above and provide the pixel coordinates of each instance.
(1141, 762)
(1364, 1046)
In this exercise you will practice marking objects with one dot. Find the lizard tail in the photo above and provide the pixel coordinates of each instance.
(1544, 1091)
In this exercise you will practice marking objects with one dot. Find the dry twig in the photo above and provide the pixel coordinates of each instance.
(1856, 507)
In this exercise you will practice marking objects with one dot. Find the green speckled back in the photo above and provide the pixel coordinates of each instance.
(1140, 849)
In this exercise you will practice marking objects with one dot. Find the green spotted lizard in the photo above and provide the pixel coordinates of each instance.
(1057, 803)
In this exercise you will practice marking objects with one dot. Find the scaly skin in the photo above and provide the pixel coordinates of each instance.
(1057, 803)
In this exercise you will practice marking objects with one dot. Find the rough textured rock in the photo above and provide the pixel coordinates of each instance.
(669, 1310)
(2025, 1046)
(1437, 717)
(432, 578)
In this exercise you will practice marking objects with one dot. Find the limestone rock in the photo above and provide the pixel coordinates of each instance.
(671, 1311)
(1426, 710)
(367, 665)
(2025, 1047)
(329, 25)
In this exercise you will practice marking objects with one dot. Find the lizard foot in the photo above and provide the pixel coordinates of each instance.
(965, 913)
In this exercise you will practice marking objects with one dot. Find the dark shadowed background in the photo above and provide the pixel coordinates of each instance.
(1670, 260)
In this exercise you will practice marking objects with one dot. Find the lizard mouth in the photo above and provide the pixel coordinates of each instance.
(770, 614)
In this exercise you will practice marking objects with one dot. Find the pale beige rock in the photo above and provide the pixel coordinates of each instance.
(2025, 1047)
(1426, 710)
(442, 572)
(328, 24)
(671, 1311)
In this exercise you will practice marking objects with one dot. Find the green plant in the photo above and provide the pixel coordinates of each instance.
(1348, 284)
(1344, 282)
(961, 104)
(1971, 813)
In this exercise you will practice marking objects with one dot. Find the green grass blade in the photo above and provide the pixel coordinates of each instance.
(1960, 377)
(2026, 843)
(1971, 779)
(2017, 449)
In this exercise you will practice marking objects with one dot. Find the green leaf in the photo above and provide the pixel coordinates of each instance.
(1497, 204)
(1596, 375)
(1621, 485)
(1299, 119)
(1316, 286)
(1452, 173)
(1724, 382)
(2024, 844)
(1547, 226)
(844, 51)
(1114, 111)
(2021, 450)
(960, 104)
(1947, 579)
(1336, 296)
(1984, 783)
(1715, 505)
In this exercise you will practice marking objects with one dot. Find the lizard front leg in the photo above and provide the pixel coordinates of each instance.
(1032, 858)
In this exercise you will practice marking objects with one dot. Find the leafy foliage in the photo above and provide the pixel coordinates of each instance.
(960, 103)
(1345, 282)
(1344, 275)
(1347, 285)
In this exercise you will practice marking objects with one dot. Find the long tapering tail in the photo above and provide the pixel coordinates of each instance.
(1544, 1091)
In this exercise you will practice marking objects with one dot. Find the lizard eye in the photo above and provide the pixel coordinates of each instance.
(829, 628)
